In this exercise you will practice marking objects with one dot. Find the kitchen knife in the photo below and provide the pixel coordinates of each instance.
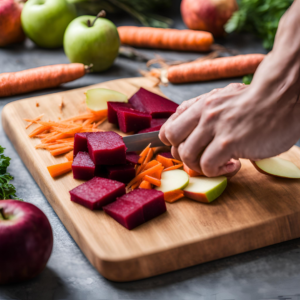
(140, 141)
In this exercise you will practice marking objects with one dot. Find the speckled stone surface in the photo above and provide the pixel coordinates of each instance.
(269, 273)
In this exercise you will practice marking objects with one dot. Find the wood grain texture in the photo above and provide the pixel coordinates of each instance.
(255, 210)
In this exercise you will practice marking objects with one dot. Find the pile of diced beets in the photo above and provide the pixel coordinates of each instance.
(101, 158)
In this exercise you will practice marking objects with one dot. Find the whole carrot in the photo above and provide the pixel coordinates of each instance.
(39, 78)
(160, 38)
(223, 67)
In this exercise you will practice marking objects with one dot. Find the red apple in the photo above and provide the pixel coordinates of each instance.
(26, 241)
(10, 22)
(208, 15)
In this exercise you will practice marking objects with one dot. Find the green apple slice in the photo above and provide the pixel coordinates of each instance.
(173, 180)
(205, 189)
(276, 166)
(96, 99)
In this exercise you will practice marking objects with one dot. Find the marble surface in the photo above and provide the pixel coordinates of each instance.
(269, 273)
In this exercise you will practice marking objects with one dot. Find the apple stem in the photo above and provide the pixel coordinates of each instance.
(101, 14)
(2, 215)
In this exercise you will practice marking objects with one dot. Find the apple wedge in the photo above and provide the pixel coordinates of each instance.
(96, 99)
(205, 189)
(173, 180)
(278, 167)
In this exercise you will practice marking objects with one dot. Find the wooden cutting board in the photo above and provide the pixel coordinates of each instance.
(255, 210)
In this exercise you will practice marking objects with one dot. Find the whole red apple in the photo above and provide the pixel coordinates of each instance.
(26, 241)
(208, 15)
(10, 23)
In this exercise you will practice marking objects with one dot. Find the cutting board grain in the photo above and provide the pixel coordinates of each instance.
(255, 211)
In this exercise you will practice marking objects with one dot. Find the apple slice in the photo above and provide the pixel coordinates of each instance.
(205, 189)
(96, 99)
(173, 180)
(278, 167)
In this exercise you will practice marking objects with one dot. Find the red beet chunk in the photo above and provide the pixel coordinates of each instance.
(106, 148)
(148, 102)
(80, 143)
(83, 167)
(151, 201)
(97, 192)
(127, 213)
(166, 154)
(112, 110)
(132, 120)
(157, 122)
(157, 128)
(122, 173)
(132, 157)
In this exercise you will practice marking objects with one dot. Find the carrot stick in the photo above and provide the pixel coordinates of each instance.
(166, 162)
(32, 121)
(147, 159)
(136, 185)
(176, 161)
(159, 38)
(61, 151)
(69, 156)
(145, 185)
(152, 180)
(38, 131)
(60, 169)
(173, 168)
(143, 154)
(223, 67)
(79, 117)
(191, 172)
(39, 78)
(173, 195)
(100, 122)
(151, 164)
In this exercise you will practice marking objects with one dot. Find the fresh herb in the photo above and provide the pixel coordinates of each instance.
(142, 10)
(247, 79)
(7, 190)
(260, 17)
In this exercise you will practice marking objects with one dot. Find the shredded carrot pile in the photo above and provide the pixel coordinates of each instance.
(58, 137)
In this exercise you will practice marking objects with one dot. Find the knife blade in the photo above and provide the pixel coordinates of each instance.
(140, 141)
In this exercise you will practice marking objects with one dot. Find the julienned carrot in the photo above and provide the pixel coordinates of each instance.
(152, 180)
(223, 67)
(157, 173)
(166, 162)
(34, 120)
(145, 185)
(60, 169)
(173, 167)
(39, 78)
(61, 150)
(151, 164)
(38, 130)
(136, 185)
(191, 172)
(146, 160)
(69, 156)
(143, 154)
(176, 161)
(173, 195)
(174, 39)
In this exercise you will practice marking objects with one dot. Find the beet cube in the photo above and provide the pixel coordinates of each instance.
(166, 154)
(148, 102)
(80, 143)
(122, 173)
(157, 122)
(83, 167)
(157, 128)
(132, 120)
(132, 157)
(97, 192)
(151, 201)
(112, 110)
(106, 148)
(127, 213)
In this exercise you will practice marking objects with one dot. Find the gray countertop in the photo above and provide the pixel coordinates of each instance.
(269, 273)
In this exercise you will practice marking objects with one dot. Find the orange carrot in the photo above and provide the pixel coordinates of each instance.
(145, 185)
(157, 173)
(151, 164)
(147, 159)
(34, 120)
(166, 162)
(61, 150)
(173, 39)
(176, 161)
(173, 168)
(152, 180)
(136, 185)
(38, 130)
(39, 78)
(173, 195)
(60, 169)
(69, 156)
(143, 154)
(191, 172)
(223, 67)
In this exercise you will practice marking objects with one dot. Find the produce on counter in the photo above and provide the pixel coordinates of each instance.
(60, 169)
(21, 82)
(97, 192)
(45, 22)
(160, 38)
(205, 189)
(132, 157)
(155, 125)
(69, 156)
(208, 15)
(91, 40)
(80, 143)
(26, 241)
(112, 109)
(173, 180)
(278, 167)
(10, 22)
(191, 172)
(83, 167)
(122, 173)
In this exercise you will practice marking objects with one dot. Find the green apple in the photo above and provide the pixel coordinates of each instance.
(278, 167)
(173, 180)
(92, 41)
(205, 189)
(45, 21)
(96, 99)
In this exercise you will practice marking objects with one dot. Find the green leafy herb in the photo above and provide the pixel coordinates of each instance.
(247, 79)
(260, 17)
(7, 190)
